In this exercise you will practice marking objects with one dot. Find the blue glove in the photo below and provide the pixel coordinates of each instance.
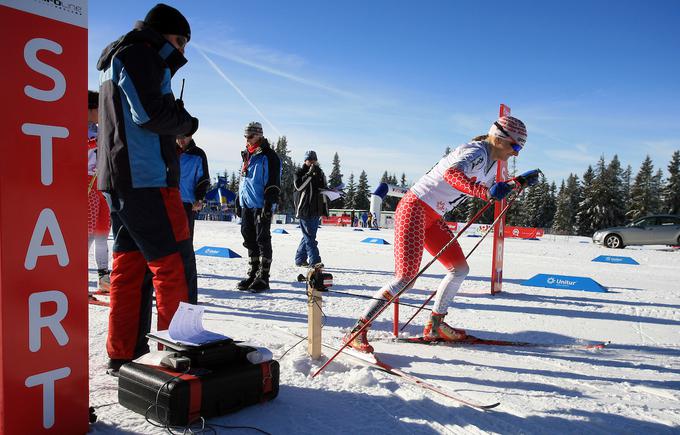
(529, 178)
(499, 191)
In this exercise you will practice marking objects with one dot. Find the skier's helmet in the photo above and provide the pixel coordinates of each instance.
(511, 128)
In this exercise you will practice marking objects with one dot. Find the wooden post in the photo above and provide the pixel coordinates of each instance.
(313, 319)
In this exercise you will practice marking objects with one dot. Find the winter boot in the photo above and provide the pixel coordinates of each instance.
(254, 265)
(437, 330)
(360, 342)
(261, 282)
(104, 282)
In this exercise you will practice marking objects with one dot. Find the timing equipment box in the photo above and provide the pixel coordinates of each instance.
(178, 399)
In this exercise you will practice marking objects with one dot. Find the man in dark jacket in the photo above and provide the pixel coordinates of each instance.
(194, 182)
(258, 194)
(310, 204)
(138, 170)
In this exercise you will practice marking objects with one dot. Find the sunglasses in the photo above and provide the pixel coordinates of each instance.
(515, 146)
(250, 136)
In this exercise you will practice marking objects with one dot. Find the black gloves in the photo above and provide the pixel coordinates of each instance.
(194, 121)
(267, 211)
(529, 178)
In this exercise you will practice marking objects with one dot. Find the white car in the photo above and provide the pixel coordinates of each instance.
(650, 230)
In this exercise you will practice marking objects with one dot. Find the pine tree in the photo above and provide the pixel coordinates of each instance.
(616, 189)
(657, 189)
(363, 192)
(516, 215)
(287, 176)
(566, 208)
(584, 216)
(335, 180)
(671, 191)
(233, 182)
(642, 197)
(626, 178)
(350, 193)
(539, 205)
(447, 151)
(402, 181)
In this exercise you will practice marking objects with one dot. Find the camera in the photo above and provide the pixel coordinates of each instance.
(317, 279)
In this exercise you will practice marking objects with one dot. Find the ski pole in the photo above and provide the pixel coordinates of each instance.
(406, 287)
(181, 92)
(488, 230)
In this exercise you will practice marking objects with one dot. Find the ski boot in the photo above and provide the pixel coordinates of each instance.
(360, 342)
(254, 264)
(104, 282)
(261, 281)
(437, 330)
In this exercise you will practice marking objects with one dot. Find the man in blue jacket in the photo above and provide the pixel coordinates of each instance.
(193, 184)
(138, 171)
(258, 194)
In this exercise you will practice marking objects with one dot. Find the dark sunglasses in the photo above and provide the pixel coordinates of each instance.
(250, 136)
(515, 146)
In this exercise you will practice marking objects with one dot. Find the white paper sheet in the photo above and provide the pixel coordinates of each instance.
(186, 327)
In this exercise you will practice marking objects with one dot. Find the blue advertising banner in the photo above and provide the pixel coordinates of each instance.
(375, 241)
(615, 259)
(565, 282)
(212, 251)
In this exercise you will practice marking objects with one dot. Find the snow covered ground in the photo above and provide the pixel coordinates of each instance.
(630, 387)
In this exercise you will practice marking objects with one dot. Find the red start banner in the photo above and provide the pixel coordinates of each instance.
(43, 218)
(343, 220)
(508, 231)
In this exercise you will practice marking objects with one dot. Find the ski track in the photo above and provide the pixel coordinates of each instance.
(629, 387)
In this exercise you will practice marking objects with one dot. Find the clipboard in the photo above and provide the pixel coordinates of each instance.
(167, 341)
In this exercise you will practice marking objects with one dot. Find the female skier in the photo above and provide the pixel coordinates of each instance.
(468, 170)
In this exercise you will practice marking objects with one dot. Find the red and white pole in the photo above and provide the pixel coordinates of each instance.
(499, 231)
(43, 218)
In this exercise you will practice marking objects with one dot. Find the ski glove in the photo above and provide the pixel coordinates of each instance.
(529, 178)
(499, 191)
(267, 211)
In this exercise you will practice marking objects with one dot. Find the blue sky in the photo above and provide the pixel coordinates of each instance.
(390, 84)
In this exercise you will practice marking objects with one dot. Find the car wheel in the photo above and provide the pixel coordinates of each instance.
(613, 241)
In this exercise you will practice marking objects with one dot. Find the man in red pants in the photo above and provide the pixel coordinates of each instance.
(138, 171)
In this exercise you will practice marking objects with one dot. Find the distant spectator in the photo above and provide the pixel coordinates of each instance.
(310, 205)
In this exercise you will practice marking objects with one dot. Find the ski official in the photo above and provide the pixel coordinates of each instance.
(138, 170)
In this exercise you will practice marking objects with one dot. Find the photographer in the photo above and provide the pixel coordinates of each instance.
(310, 204)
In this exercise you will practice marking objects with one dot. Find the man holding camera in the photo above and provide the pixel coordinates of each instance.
(310, 205)
(258, 195)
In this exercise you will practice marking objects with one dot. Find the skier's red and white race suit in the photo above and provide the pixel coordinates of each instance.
(466, 171)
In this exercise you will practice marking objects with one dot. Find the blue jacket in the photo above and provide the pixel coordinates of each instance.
(139, 117)
(260, 177)
(194, 178)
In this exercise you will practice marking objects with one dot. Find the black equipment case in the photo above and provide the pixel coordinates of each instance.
(201, 392)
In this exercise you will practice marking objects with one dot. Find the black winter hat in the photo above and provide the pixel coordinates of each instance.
(167, 20)
(92, 100)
